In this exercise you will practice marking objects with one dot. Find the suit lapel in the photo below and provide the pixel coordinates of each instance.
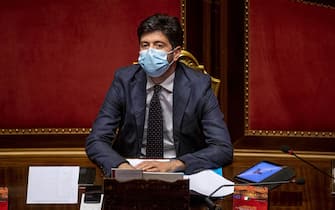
(138, 98)
(181, 95)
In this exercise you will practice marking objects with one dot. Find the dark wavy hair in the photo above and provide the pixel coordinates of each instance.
(168, 25)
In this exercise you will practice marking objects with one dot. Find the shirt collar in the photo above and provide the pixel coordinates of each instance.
(166, 84)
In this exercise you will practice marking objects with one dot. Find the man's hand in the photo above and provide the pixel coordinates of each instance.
(161, 166)
(125, 166)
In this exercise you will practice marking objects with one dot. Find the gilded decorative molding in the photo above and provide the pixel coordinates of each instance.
(80, 153)
(321, 3)
(43, 152)
(183, 19)
(246, 67)
(189, 60)
(282, 133)
(273, 133)
(249, 153)
(44, 131)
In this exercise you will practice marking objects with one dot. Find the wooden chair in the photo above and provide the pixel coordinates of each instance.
(188, 59)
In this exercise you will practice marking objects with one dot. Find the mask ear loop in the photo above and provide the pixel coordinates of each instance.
(168, 53)
(172, 51)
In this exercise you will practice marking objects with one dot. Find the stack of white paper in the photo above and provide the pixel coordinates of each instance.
(207, 181)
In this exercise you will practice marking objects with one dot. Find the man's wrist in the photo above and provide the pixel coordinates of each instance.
(125, 165)
(177, 165)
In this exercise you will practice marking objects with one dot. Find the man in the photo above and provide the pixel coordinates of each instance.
(194, 135)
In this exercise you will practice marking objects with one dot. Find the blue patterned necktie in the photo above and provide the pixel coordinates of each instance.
(155, 127)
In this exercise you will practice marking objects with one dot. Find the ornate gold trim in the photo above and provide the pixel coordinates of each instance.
(80, 153)
(44, 131)
(183, 20)
(289, 133)
(42, 152)
(277, 133)
(246, 67)
(319, 4)
(275, 153)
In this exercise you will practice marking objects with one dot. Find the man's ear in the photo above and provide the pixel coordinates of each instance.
(176, 53)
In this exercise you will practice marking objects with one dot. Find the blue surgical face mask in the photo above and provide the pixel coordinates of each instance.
(154, 62)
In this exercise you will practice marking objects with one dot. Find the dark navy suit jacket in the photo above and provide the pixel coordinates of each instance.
(200, 134)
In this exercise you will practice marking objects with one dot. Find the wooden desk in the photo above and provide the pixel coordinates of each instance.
(16, 179)
(315, 194)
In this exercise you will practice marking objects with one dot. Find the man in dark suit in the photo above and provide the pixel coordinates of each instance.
(194, 136)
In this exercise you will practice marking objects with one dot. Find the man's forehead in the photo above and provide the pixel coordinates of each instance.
(156, 36)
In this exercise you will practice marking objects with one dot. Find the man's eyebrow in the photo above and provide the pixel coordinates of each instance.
(154, 42)
(159, 42)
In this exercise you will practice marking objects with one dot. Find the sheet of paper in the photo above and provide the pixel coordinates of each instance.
(207, 181)
(204, 182)
(52, 184)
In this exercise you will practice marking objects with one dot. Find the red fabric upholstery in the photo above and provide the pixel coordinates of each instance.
(57, 58)
(291, 72)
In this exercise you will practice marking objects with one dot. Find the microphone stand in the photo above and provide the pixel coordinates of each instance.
(288, 150)
(310, 164)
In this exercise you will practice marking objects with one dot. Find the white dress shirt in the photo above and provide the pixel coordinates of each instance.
(166, 99)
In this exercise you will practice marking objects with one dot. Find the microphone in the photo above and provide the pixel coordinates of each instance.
(212, 206)
(288, 150)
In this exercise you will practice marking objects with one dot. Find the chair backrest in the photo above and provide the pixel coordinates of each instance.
(189, 60)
